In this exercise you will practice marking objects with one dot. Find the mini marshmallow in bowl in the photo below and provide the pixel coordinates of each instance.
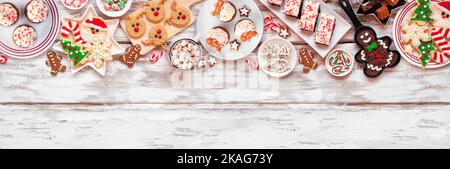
(185, 54)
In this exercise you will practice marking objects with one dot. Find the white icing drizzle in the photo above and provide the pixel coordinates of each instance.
(372, 67)
(363, 55)
(389, 59)
(383, 44)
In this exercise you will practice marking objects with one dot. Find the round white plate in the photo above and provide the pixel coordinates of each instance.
(205, 22)
(330, 68)
(403, 16)
(114, 13)
(262, 61)
(47, 32)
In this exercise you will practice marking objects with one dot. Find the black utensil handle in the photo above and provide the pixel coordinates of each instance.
(348, 9)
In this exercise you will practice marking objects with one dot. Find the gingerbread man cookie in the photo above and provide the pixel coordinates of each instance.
(375, 54)
(179, 17)
(54, 62)
(307, 59)
(135, 25)
(157, 36)
(155, 11)
(131, 56)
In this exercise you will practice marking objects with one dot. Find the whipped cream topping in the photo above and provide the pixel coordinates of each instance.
(227, 13)
(8, 14)
(24, 36)
(37, 11)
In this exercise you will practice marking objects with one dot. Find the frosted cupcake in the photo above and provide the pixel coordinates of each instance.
(218, 38)
(24, 36)
(9, 14)
(245, 30)
(36, 11)
(224, 11)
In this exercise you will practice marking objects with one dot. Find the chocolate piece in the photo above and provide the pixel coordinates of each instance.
(383, 13)
(292, 7)
(392, 2)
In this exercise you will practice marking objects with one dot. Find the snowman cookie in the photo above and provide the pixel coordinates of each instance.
(155, 11)
(375, 54)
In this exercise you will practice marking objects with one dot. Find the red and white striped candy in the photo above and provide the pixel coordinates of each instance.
(440, 37)
(3, 59)
(70, 27)
(253, 64)
(156, 56)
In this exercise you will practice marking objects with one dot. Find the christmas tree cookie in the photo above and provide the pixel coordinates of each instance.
(423, 12)
(74, 52)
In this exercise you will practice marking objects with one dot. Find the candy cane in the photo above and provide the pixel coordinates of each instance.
(72, 28)
(253, 64)
(439, 57)
(440, 37)
(271, 25)
(156, 56)
(3, 59)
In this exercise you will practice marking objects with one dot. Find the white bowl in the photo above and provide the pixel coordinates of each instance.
(262, 61)
(114, 13)
(71, 8)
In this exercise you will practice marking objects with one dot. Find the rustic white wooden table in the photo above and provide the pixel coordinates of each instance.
(230, 106)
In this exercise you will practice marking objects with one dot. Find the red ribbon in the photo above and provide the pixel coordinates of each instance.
(3, 59)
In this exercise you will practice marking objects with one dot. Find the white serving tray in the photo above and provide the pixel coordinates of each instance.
(341, 28)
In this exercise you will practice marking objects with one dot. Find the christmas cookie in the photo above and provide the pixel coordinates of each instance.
(309, 15)
(71, 30)
(114, 5)
(180, 16)
(244, 11)
(245, 30)
(24, 36)
(9, 14)
(234, 45)
(393, 2)
(325, 29)
(74, 4)
(423, 12)
(444, 6)
(339, 63)
(131, 56)
(99, 54)
(441, 38)
(94, 29)
(54, 62)
(36, 11)
(413, 34)
(307, 60)
(382, 13)
(225, 11)
(185, 54)
(218, 38)
(375, 55)
(275, 2)
(135, 25)
(157, 36)
(74, 52)
(292, 7)
(155, 11)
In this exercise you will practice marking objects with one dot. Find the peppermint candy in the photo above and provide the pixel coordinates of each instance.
(3, 59)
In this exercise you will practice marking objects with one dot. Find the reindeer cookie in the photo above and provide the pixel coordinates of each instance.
(155, 11)
(307, 59)
(54, 62)
(131, 56)
(375, 55)
(135, 25)
(157, 36)
(179, 17)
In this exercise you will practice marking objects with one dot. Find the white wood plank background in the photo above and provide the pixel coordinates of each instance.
(229, 106)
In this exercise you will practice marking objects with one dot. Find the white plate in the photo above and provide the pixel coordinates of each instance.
(114, 13)
(403, 16)
(341, 28)
(205, 22)
(47, 32)
(262, 61)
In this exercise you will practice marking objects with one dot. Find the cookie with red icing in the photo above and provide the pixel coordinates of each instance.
(157, 36)
(9, 14)
(135, 25)
(36, 11)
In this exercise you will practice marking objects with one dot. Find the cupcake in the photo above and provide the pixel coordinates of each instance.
(24, 36)
(218, 38)
(224, 11)
(245, 30)
(9, 14)
(36, 11)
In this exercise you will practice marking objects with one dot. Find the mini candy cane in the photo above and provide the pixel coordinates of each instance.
(253, 64)
(156, 56)
(3, 59)
(270, 25)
